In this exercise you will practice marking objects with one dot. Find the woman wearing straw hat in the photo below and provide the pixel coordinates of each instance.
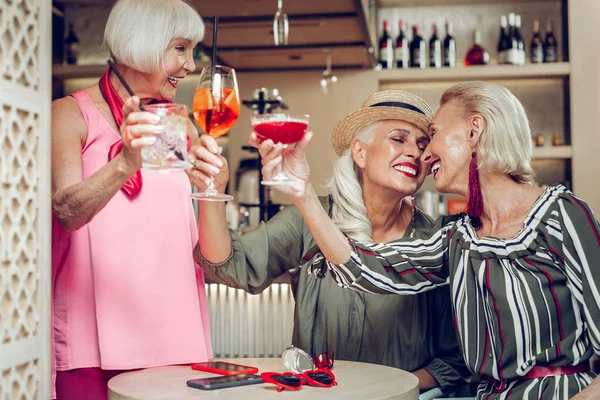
(523, 263)
(378, 168)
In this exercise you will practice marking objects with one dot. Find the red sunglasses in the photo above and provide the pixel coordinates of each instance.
(288, 380)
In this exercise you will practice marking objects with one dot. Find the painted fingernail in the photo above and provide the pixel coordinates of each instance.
(155, 119)
(219, 162)
(215, 170)
(148, 140)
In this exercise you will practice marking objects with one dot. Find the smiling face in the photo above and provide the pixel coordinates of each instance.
(449, 152)
(177, 63)
(392, 159)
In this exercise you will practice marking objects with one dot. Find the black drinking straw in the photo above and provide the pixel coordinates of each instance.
(128, 88)
(214, 51)
(116, 71)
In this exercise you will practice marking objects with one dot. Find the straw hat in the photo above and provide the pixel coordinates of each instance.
(387, 104)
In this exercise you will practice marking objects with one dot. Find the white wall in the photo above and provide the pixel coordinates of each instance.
(585, 98)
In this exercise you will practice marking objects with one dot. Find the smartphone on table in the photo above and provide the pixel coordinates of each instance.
(224, 368)
(221, 382)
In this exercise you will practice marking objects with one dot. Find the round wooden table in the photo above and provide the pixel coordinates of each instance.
(355, 381)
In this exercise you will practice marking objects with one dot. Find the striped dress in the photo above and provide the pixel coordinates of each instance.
(532, 300)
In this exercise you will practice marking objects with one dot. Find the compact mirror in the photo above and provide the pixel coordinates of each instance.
(297, 360)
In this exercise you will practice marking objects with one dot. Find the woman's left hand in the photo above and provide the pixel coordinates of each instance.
(208, 161)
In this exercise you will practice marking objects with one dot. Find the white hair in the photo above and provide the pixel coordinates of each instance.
(138, 31)
(505, 144)
(348, 210)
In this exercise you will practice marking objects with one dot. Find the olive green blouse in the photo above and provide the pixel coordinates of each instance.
(407, 332)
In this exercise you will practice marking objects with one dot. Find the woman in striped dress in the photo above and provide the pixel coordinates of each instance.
(523, 264)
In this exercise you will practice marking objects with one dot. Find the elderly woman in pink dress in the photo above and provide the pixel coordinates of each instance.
(127, 293)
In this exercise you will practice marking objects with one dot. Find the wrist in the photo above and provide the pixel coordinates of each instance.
(124, 166)
(303, 198)
(221, 188)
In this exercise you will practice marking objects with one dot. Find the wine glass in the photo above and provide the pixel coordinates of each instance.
(280, 128)
(216, 108)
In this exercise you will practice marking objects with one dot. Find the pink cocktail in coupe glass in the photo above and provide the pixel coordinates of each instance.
(280, 128)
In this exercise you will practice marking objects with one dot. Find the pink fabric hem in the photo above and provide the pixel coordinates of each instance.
(129, 367)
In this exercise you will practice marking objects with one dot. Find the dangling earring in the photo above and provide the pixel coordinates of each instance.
(413, 200)
(475, 204)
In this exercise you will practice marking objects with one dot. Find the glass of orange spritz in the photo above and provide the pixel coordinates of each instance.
(216, 108)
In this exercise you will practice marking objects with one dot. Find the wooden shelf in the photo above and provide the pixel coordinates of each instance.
(552, 152)
(422, 3)
(65, 71)
(484, 72)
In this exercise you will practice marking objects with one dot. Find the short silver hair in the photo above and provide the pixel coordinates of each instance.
(138, 32)
(505, 145)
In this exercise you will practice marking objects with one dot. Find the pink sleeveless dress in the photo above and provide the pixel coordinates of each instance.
(127, 293)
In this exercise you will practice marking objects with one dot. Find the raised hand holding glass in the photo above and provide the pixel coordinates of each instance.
(216, 108)
(280, 128)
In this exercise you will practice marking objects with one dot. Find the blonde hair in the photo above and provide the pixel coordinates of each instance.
(138, 31)
(505, 143)
(348, 210)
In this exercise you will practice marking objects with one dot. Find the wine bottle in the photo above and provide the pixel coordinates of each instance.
(71, 46)
(386, 50)
(550, 45)
(401, 47)
(435, 49)
(503, 44)
(537, 44)
(449, 47)
(512, 54)
(417, 50)
(477, 55)
(520, 56)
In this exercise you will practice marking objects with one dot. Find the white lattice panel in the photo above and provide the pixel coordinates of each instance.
(19, 42)
(24, 199)
(20, 382)
(19, 314)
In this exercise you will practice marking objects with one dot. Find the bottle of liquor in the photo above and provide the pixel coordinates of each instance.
(401, 47)
(71, 46)
(503, 43)
(477, 55)
(435, 49)
(417, 50)
(550, 45)
(537, 45)
(449, 47)
(386, 49)
(512, 53)
(520, 42)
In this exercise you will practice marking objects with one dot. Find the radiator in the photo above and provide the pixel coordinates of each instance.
(244, 325)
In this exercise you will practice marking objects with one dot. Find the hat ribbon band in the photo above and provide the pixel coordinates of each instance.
(398, 104)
